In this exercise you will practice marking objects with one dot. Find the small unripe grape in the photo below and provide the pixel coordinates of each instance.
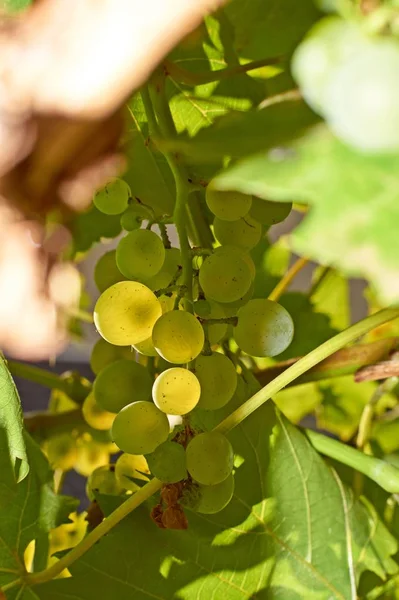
(264, 328)
(103, 481)
(126, 312)
(95, 416)
(140, 254)
(178, 336)
(134, 215)
(139, 428)
(228, 206)
(121, 383)
(176, 391)
(217, 377)
(168, 462)
(207, 309)
(103, 354)
(129, 467)
(210, 458)
(245, 232)
(106, 272)
(269, 213)
(113, 199)
(210, 499)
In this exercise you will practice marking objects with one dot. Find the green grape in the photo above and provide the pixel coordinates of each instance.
(361, 105)
(264, 328)
(210, 499)
(121, 383)
(210, 310)
(139, 428)
(231, 308)
(103, 481)
(331, 42)
(168, 462)
(106, 272)
(234, 252)
(103, 354)
(95, 416)
(129, 467)
(126, 312)
(168, 270)
(176, 391)
(134, 215)
(217, 377)
(113, 199)
(140, 254)
(245, 232)
(210, 458)
(225, 277)
(62, 451)
(269, 213)
(228, 206)
(178, 336)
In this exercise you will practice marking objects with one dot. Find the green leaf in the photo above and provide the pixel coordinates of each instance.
(91, 226)
(297, 402)
(287, 506)
(239, 134)
(332, 298)
(353, 197)
(15, 5)
(12, 447)
(311, 328)
(271, 263)
(28, 510)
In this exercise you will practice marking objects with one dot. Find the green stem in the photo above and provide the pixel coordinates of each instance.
(322, 274)
(188, 78)
(40, 558)
(366, 419)
(96, 534)
(285, 281)
(383, 473)
(75, 390)
(306, 363)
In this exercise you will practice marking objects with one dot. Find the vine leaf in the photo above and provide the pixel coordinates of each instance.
(263, 545)
(12, 444)
(354, 203)
(27, 511)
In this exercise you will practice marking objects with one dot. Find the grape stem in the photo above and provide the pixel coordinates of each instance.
(171, 288)
(304, 364)
(288, 278)
(226, 320)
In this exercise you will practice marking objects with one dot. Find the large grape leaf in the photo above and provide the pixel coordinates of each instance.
(12, 446)
(292, 531)
(27, 511)
(331, 297)
(352, 223)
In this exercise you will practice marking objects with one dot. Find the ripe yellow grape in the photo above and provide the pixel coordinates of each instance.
(228, 206)
(121, 383)
(129, 467)
(217, 377)
(106, 272)
(113, 199)
(178, 336)
(225, 277)
(245, 232)
(176, 391)
(103, 354)
(140, 254)
(139, 428)
(95, 416)
(168, 462)
(210, 458)
(207, 309)
(126, 312)
(265, 328)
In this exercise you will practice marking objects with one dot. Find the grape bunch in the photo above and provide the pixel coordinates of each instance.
(166, 354)
(351, 78)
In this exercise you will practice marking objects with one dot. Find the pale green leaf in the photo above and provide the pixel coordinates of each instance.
(332, 298)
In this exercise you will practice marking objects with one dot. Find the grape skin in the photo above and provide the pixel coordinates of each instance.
(265, 328)
(134, 216)
(168, 462)
(106, 272)
(131, 466)
(245, 232)
(211, 499)
(139, 428)
(140, 254)
(104, 354)
(103, 481)
(269, 213)
(218, 380)
(178, 337)
(168, 270)
(225, 277)
(176, 391)
(95, 416)
(228, 206)
(126, 312)
(113, 199)
(121, 383)
(210, 458)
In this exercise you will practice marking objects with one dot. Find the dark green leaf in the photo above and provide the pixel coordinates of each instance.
(89, 227)
(352, 224)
